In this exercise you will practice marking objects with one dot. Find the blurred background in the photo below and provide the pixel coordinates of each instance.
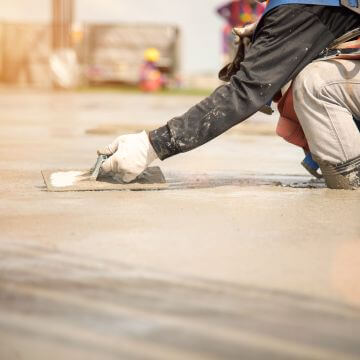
(148, 44)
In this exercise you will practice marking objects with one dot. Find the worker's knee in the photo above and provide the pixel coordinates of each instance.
(309, 83)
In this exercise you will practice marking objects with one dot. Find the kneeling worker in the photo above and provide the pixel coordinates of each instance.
(288, 38)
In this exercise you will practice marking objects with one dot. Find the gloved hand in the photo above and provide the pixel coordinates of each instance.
(243, 41)
(246, 31)
(130, 156)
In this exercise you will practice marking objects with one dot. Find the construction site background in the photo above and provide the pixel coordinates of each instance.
(105, 53)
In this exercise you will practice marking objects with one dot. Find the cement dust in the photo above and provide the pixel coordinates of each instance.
(66, 178)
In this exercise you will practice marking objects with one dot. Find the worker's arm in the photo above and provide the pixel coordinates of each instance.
(287, 39)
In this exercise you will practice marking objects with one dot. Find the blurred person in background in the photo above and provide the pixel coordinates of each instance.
(237, 13)
(151, 78)
(326, 94)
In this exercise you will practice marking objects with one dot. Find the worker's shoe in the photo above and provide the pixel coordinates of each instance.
(311, 166)
(344, 175)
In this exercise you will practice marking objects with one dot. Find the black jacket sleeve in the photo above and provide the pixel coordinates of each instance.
(287, 39)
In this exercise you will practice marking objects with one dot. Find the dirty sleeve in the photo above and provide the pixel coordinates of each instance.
(287, 39)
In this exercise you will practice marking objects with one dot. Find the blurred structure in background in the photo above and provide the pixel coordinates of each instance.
(24, 54)
(115, 53)
(237, 13)
(66, 54)
(62, 21)
(64, 65)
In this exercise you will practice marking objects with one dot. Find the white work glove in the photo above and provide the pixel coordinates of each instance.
(246, 31)
(129, 155)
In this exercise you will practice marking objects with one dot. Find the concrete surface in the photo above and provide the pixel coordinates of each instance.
(226, 264)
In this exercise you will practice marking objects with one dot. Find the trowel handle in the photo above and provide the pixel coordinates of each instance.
(94, 172)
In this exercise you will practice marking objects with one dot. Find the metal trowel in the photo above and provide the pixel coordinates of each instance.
(95, 171)
(92, 180)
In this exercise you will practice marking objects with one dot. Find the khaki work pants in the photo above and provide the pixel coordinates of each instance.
(326, 97)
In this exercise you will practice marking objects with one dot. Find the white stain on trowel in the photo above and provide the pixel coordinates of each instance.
(63, 179)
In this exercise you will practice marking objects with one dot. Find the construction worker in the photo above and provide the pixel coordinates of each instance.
(288, 37)
(151, 79)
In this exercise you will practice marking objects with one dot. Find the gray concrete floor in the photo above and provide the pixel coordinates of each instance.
(229, 263)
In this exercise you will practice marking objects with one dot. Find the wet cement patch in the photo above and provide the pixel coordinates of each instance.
(63, 300)
(151, 179)
(177, 180)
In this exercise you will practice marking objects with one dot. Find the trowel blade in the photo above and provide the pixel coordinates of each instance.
(151, 179)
